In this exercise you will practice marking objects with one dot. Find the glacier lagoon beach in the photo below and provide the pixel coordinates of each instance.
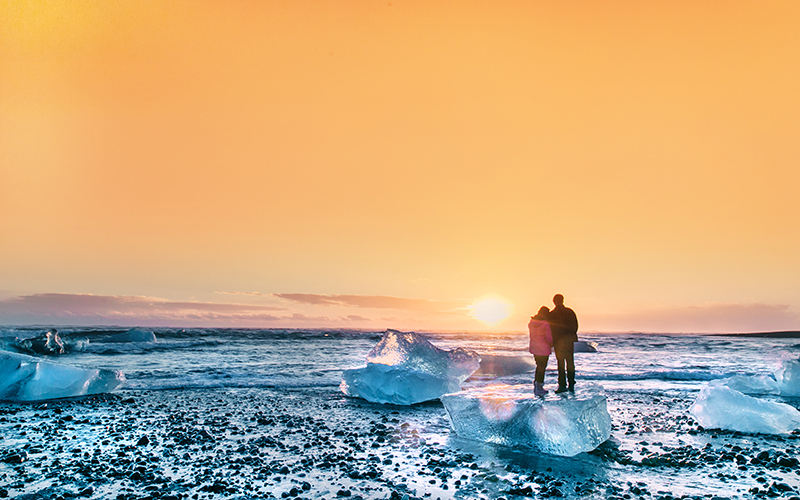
(210, 413)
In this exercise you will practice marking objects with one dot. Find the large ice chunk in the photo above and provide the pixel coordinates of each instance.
(724, 408)
(405, 368)
(413, 351)
(395, 385)
(513, 416)
(25, 378)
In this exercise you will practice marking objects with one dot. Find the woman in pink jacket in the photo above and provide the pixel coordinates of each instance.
(540, 346)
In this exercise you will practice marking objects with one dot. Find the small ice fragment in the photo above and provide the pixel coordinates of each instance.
(25, 378)
(788, 378)
(513, 416)
(48, 343)
(720, 407)
(405, 368)
(584, 346)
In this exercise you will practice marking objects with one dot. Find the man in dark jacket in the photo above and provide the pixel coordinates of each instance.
(564, 327)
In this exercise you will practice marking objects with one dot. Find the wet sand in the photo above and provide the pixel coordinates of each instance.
(310, 443)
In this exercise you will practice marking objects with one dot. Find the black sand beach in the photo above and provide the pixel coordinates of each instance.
(252, 443)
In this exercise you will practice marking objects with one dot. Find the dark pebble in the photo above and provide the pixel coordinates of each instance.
(525, 492)
(144, 441)
(16, 458)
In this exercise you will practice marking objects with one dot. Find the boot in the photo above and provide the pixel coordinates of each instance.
(538, 389)
(571, 387)
(561, 388)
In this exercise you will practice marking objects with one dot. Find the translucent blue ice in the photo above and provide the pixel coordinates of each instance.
(26, 378)
(511, 415)
(720, 407)
(785, 381)
(405, 368)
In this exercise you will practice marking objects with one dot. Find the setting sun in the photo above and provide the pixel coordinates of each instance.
(491, 311)
(497, 233)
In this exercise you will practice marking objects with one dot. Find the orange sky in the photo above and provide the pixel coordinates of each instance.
(642, 158)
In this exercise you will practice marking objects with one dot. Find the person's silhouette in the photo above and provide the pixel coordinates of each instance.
(541, 341)
(564, 327)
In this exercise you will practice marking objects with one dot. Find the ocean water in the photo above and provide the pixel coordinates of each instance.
(209, 358)
(650, 381)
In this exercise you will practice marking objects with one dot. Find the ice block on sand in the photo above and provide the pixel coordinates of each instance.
(513, 416)
(25, 378)
(720, 407)
(405, 368)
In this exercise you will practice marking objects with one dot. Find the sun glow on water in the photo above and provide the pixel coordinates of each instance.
(491, 311)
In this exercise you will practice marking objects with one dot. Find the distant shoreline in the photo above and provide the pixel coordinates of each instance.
(113, 329)
(774, 335)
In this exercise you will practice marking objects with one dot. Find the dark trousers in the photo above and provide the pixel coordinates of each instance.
(541, 365)
(565, 358)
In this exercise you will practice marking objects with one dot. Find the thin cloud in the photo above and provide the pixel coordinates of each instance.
(355, 317)
(374, 302)
(78, 303)
(256, 294)
(704, 318)
(63, 308)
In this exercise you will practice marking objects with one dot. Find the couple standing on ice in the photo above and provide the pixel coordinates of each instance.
(557, 329)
